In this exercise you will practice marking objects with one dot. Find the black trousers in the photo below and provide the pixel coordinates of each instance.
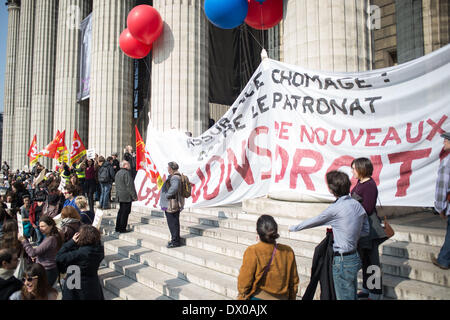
(91, 187)
(173, 220)
(371, 257)
(122, 216)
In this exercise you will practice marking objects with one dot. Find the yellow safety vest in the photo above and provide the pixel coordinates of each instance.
(80, 174)
(63, 176)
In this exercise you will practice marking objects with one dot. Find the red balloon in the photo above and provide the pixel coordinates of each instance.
(132, 47)
(145, 23)
(264, 16)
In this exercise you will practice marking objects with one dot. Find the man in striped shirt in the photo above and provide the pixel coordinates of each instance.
(441, 204)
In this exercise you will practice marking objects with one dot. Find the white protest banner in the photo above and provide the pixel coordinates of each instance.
(90, 154)
(290, 126)
(19, 224)
(62, 185)
(98, 218)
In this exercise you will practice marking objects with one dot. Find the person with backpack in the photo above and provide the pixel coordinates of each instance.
(172, 202)
(125, 194)
(105, 178)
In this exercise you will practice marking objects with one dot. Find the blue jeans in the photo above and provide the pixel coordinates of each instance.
(345, 276)
(39, 235)
(444, 254)
(104, 196)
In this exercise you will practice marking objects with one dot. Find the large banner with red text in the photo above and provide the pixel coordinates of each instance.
(290, 126)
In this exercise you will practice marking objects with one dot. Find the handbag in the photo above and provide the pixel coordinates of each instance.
(387, 228)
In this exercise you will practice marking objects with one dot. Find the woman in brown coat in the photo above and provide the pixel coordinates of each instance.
(280, 280)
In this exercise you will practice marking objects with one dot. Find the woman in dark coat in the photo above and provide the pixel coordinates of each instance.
(85, 251)
(366, 192)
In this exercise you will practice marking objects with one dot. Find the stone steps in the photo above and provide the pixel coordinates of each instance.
(163, 283)
(124, 288)
(233, 243)
(207, 269)
(215, 240)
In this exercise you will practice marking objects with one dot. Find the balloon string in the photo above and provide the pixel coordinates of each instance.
(148, 69)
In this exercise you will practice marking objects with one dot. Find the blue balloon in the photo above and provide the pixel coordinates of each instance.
(226, 14)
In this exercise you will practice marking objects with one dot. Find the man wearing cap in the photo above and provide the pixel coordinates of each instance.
(441, 204)
(172, 202)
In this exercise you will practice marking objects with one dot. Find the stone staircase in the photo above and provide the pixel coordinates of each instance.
(138, 265)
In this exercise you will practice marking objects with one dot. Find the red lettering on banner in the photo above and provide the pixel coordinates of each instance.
(284, 130)
(406, 158)
(214, 194)
(377, 166)
(150, 193)
(304, 131)
(284, 155)
(371, 137)
(260, 151)
(245, 171)
(336, 143)
(305, 171)
(196, 192)
(342, 161)
(408, 133)
(352, 137)
(325, 136)
(436, 127)
(391, 135)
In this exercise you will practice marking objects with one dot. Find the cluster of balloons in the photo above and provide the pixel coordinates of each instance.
(258, 14)
(145, 25)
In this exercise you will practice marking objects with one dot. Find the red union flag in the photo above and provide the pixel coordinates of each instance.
(62, 154)
(50, 150)
(33, 153)
(78, 149)
(144, 161)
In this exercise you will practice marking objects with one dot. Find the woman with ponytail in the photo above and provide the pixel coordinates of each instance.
(269, 270)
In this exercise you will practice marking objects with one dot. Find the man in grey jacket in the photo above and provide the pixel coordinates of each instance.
(126, 194)
(172, 202)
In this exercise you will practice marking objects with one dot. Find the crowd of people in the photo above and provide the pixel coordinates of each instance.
(46, 222)
(268, 271)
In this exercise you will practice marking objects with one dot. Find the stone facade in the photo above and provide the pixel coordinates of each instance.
(173, 82)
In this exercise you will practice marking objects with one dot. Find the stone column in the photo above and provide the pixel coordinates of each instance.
(70, 115)
(42, 101)
(10, 78)
(24, 72)
(327, 35)
(436, 25)
(111, 94)
(180, 68)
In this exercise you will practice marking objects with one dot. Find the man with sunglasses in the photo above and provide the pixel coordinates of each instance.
(8, 283)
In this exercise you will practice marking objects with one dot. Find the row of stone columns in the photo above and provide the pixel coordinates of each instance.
(10, 80)
(325, 34)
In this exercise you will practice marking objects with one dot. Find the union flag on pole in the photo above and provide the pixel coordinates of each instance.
(50, 150)
(78, 149)
(33, 153)
(144, 161)
(62, 154)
